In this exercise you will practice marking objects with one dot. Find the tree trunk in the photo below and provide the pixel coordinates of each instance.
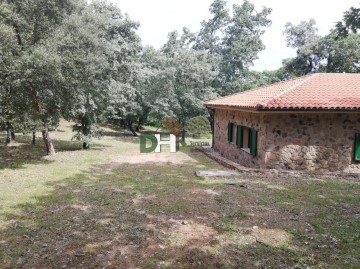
(122, 124)
(212, 125)
(86, 145)
(142, 119)
(13, 135)
(183, 133)
(131, 128)
(8, 133)
(33, 138)
(50, 150)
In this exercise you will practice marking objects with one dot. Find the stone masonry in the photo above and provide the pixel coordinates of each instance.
(229, 150)
(294, 140)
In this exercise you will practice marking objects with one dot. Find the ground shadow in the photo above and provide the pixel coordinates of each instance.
(132, 216)
(22, 152)
(162, 216)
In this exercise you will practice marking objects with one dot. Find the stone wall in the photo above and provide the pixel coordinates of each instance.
(229, 150)
(319, 142)
(296, 141)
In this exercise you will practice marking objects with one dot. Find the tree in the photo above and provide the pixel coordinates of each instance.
(153, 80)
(234, 41)
(60, 56)
(209, 36)
(98, 46)
(350, 22)
(302, 34)
(335, 52)
(31, 69)
(147, 91)
(304, 38)
(191, 74)
(344, 55)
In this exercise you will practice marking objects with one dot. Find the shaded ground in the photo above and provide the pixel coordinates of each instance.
(112, 207)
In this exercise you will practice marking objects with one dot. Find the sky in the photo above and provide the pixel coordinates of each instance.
(159, 17)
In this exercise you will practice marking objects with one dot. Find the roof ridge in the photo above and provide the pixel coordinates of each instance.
(262, 87)
(305, 78)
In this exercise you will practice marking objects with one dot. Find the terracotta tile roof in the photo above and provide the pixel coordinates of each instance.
(322, 91)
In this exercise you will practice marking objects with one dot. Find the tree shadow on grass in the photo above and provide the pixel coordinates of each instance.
(22, 152)
(126, 218)
(118, 133)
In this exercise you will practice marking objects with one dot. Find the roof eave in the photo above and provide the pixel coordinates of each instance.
(260, 108)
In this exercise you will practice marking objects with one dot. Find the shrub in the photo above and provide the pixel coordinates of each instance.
(199, 125)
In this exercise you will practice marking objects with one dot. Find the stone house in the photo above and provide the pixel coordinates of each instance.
(307, 123)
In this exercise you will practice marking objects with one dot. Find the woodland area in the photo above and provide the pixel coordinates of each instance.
(77, 70)
(84, 62)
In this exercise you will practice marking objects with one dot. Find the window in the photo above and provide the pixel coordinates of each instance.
(246, 139)
(357, 147)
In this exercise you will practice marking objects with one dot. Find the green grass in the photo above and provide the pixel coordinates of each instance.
(92, 209)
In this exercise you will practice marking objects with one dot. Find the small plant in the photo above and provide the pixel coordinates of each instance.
(220, 199)
(239, 214)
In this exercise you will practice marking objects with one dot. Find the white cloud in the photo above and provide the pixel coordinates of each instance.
(159, 17)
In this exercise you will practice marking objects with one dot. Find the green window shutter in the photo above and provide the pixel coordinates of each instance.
(357, 147)
(230, 127)
(239, 136)
(253, 142)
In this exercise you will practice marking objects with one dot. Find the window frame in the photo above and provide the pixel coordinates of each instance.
(252, 139)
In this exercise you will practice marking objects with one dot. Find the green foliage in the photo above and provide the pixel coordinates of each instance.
(155, 123)
(299, 35)
(64, 58)
(86, 130)
(191, 78)
(350, 23)
(84, 62)
(335, 52)
(199, 125)
(234, 41)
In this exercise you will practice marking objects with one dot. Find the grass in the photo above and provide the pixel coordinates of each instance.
(110, 207)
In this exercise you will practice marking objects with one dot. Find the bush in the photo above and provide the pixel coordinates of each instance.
(155, 123)
(199, 125)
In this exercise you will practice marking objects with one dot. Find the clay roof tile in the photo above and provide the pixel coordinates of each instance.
(324, 91)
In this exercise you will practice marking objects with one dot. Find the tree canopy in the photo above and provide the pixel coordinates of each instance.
(336, 52)
(83, 61)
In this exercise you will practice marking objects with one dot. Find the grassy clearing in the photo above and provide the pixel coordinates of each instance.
(111, 207)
